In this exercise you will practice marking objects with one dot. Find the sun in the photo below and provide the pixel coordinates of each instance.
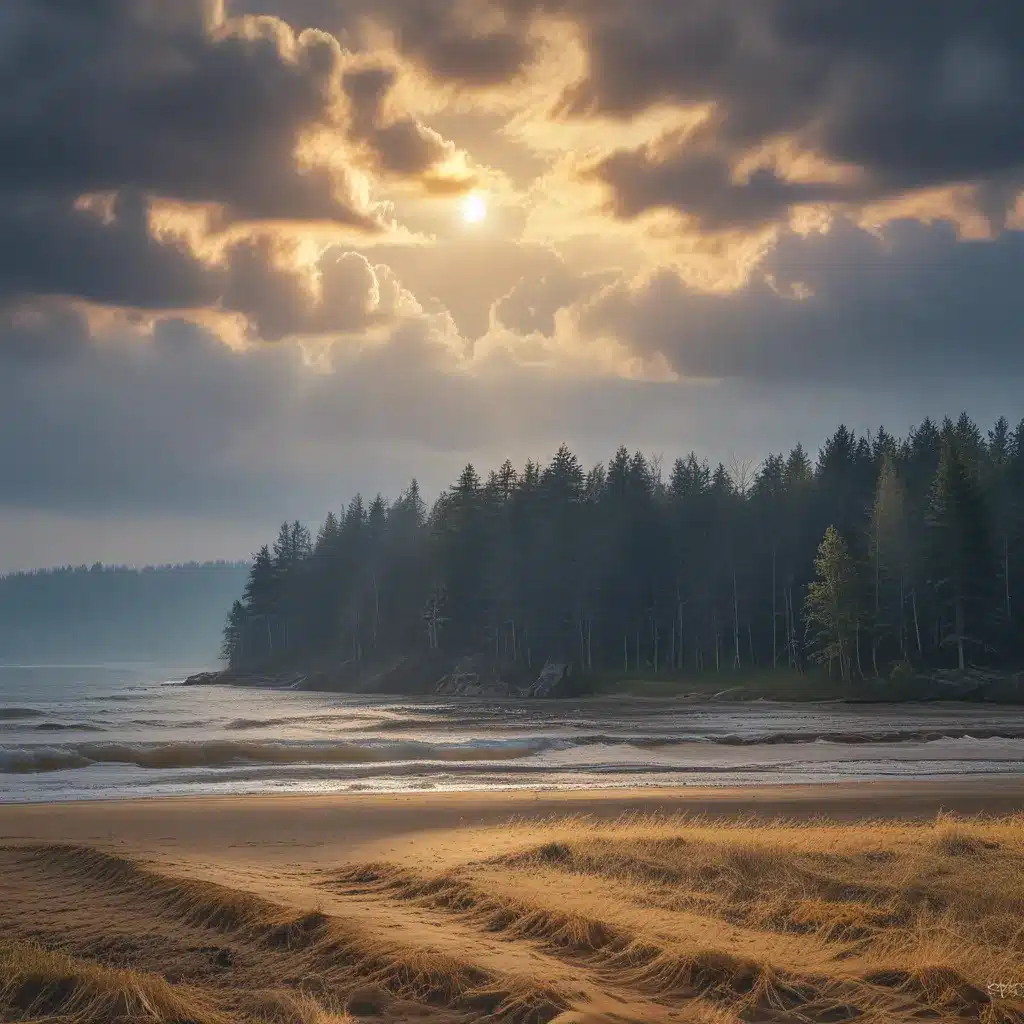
(474, 209)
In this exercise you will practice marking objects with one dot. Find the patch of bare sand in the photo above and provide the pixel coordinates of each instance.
(625, 907)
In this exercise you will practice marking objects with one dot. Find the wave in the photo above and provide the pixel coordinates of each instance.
(68, 727)
(850, 737)
(224, 753)
(18, 714)
(219, 753)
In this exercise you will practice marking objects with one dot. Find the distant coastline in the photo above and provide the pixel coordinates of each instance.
(102, 614)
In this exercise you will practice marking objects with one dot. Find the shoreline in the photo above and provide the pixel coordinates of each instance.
(971, 687)
(801, 792)
(324, 820)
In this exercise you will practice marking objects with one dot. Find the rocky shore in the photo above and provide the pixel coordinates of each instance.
(474, 677)
(468, 678)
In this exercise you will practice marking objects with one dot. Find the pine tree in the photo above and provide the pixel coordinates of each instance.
(232, 648)
(960, 561)
(888, 562)
(831, 604)
(619, 570)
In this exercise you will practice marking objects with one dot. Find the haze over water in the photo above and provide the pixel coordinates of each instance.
(71, 733)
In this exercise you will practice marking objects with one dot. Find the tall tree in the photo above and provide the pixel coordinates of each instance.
(831, 606)
(960, 555)
(888, 563)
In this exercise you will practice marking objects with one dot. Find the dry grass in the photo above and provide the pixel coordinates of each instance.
(643, 919)
(36, 983)
(330, 962)
(881, 921)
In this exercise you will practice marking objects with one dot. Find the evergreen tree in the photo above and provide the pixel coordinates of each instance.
(707, 570)
(960, 555)
(232, 648)
(888, 564)
(831, 604)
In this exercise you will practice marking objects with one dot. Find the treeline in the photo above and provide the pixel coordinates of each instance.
(114, 613)
(882, 554)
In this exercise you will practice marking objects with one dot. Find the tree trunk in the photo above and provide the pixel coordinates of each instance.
(376, 610)
(903, 618)
(679, 614)
(775, 614)
(789, 629)
(878, 605)
(917, 624)
(1006, 576)
(958, 621)
(735, 623)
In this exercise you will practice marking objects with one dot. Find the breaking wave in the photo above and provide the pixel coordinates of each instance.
(223, 753)
(219, 753)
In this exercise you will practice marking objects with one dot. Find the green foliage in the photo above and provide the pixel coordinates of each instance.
(832, 607)
(702, 570)
(960, 547)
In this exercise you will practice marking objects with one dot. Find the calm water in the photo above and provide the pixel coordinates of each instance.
(119, 731)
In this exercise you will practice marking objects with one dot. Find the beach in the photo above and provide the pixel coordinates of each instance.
(876, 901)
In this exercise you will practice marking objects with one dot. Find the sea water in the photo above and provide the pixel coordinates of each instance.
(92, 732)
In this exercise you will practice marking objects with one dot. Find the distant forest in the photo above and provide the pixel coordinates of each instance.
(882, 555)
(108, 613)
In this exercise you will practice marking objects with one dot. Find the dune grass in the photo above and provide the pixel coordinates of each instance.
(671, 918)
(880, 921)
(37, 983)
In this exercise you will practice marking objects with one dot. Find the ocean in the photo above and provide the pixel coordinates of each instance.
(116, 731)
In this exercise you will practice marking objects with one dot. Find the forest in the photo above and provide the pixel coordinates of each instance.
(877, 557)
(101, 613)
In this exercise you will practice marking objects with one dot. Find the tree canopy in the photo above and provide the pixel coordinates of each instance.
(884, 550)
(97, 613)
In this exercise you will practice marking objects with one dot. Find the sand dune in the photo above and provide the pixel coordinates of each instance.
(539, 918)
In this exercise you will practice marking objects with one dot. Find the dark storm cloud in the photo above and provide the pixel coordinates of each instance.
(912, 95)
(916, 304)
(103, 95)
(135, 101)
(701, 184)
(50, 247)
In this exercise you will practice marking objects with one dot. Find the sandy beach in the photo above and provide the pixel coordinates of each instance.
(881, 901)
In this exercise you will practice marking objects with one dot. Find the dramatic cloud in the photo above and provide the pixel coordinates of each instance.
(896, 98)
(836, 307)
(236, 281)
(170, 100)
(477, 44)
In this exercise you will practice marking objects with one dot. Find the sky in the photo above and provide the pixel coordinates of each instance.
(238, 282)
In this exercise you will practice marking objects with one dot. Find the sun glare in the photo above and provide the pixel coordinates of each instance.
(474, 209)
